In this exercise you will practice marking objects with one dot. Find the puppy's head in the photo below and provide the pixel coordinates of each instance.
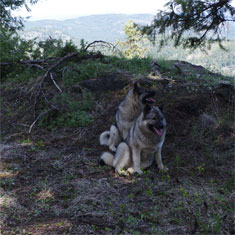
(143, 95)
(154, 119)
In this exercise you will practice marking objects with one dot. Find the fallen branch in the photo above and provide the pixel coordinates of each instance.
(37, 66)
(84, 57)
(41, 61)
(42, 114)
(47, 101)
(61, 60)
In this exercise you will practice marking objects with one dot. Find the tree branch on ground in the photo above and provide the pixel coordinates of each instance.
(40, 115)
(78, 56)
(28, 62)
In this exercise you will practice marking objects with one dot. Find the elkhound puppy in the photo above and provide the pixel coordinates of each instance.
(128, 110)
(143, 144)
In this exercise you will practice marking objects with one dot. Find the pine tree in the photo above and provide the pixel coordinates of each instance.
(9, 22)
(135, 44)
(191, 23)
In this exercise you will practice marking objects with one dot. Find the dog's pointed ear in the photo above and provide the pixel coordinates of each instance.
(147, 109)
(161, 107)
(136, 87)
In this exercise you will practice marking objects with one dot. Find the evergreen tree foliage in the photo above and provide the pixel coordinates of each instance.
(7, 20)
(17, 52)
(135, 44)
(191, 23)
(14, 49)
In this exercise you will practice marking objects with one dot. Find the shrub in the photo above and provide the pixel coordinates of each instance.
(73, 113)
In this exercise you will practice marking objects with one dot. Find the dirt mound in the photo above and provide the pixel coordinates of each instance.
(108, 82)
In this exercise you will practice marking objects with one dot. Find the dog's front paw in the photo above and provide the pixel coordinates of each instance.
(140, 172)
(112, 148)
(163, 168)
(131, 171)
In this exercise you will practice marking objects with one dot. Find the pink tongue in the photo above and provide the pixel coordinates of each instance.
(151, 99)
(159, 132)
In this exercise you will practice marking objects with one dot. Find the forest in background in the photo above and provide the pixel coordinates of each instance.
(110, 28)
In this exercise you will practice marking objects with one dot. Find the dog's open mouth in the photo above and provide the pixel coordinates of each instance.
(149, 97)
(150, 100)
(159, 132)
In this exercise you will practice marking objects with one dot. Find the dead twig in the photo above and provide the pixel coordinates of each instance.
(42, 114)
(36, 66)
(108, 44)
(179, 69)
(53, 80)
(47, 101)
(156, 68)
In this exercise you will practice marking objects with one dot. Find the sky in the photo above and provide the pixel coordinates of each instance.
(68, 9)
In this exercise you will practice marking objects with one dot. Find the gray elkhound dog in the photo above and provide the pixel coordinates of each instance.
(143, 144)
(128, 110)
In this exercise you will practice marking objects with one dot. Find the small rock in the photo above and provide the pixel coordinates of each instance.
(208, 121)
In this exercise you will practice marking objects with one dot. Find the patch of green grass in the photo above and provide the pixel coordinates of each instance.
(20, 75)
(74, 114)
(206, 79)
(165, 65)
(164, 175)
(134, 66)
(201, 168)
(74, 73)
(7, 183)
(74, 119)
(177, 162)
(1, 103)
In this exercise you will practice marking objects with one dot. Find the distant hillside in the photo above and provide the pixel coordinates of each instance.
(95, 27)
(110, 28)
(107, 27)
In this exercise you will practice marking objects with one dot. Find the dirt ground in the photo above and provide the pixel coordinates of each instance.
(52, 183)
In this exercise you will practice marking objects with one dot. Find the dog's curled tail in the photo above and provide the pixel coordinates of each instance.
(104, 138)
(106, 159)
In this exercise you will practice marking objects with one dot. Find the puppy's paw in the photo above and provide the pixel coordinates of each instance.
(112, 148)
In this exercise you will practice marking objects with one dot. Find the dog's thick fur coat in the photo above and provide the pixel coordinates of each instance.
(143, 144)
(128, 110)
